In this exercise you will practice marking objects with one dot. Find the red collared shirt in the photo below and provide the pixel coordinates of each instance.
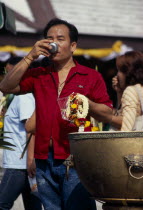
(43, 82)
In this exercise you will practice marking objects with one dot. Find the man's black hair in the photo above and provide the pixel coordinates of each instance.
(73, 32)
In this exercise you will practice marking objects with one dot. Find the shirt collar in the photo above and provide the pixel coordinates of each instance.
(79, 69)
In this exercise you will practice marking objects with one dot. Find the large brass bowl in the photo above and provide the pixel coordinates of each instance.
(110, 164)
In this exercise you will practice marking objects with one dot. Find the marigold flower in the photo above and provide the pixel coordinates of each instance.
(1, 124)
(87, 124)
(95, 129)
(73, 106)
(77, 122)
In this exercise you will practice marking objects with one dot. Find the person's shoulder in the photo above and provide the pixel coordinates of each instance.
(130, 89)
(88, 70)
(25, 97)
(35, 72)
(130, 93)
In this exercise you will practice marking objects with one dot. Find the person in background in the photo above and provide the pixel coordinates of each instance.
(12, 61)
(2, 74)
(129, 87)
(15, 179)
(63, 77)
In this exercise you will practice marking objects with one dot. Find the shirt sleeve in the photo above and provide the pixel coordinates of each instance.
(26, 106)
(129, 108)
(28, 80)
(99, 91)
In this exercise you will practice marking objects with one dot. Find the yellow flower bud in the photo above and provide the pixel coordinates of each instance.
(95, 129)
(77, 122)
(87, 124)
(74, 106)
(1, 124)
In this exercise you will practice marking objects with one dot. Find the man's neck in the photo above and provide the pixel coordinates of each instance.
(64, 66)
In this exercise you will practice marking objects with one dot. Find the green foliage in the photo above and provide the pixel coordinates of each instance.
(4, 144)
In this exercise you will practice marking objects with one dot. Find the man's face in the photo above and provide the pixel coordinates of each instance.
(60, 35)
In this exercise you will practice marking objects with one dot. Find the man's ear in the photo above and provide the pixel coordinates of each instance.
(73, 46)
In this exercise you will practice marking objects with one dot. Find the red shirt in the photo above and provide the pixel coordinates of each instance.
(43, 82)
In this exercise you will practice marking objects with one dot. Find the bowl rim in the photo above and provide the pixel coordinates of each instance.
(105, 135)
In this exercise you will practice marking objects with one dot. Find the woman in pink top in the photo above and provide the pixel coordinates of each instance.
(129, 87)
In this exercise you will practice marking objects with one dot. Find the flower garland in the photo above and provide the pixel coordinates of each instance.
(77, 110)
(77, 106)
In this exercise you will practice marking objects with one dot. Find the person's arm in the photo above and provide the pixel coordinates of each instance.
(130, 105)
(116, 121)
(100, 105)
(100, 112)
(119, 91)
(30, 124)
(30, 157)
(10, 83)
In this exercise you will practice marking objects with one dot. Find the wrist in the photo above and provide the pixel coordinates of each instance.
(29, 58)
(30, 160)
(26, 61)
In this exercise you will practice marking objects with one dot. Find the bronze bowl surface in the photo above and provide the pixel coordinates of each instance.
(110, 164)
